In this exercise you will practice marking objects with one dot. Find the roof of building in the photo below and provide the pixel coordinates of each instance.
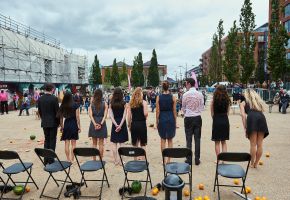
(263, 28)
(119, 64)
(170, 80)
(148, 63)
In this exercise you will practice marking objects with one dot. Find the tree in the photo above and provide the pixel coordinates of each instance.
(220, 34)
(278, 40)
(247, 41)
(95, 76)
(153, 74)
(260, 72)
(124, 75)
(213, 62)
(231, 59)
(134, 74)
(107, 78)
(115, 79)
(140, 69)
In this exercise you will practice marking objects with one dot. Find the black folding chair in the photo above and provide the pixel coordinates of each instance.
(232, 171)
(178, 168)
(1, 180)
(16, 168)
(134, 166)
(57, 166)
(91, 166)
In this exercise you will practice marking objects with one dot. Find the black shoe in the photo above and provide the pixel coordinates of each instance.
(197, 162)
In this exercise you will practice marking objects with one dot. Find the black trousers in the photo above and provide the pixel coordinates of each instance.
(50, 141)
(4, 107)
(192, 127)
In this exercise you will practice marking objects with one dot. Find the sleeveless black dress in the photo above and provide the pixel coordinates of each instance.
(256, 121)
(138, 126)
(70, 128)
(122, 135)
(220, 125)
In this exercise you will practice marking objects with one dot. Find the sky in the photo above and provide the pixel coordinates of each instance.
(179, 30)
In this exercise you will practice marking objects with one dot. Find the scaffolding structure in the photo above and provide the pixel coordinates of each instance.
(27, 55)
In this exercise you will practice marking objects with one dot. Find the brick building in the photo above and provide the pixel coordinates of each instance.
(161, 68)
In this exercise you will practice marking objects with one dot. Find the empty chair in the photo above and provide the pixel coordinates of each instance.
(233, 171)
(57, 166)
(134, 166)
(178, 168)
(14, 169)
(91, 166)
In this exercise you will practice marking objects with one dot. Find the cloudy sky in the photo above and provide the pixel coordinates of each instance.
(179, 30)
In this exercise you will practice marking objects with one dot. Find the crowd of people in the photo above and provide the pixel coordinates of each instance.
(129, 115)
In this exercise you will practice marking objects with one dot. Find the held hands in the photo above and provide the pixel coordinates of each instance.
(118, 128)
(98, 126)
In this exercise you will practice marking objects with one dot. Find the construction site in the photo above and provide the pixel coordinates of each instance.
(30, 58)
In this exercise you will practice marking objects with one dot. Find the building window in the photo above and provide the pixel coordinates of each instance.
(287, 10)
(287, 26)
(261, 38)
(288, 56)
(288, 45)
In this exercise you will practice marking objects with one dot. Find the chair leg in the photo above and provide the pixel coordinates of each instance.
(215, 182)
(54, 180)
(5, 185)
(124, 185)
(146, 184)
(150, 179)
(65, 180)
(29, 174)
(45, 185)
(83, 178)
(102, 186)
(23, 192)
(106, 178)
(244, 189)
(218, 188)
(190, 184)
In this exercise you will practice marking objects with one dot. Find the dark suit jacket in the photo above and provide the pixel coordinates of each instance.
(48, 108)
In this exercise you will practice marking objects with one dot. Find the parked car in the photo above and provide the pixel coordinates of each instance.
(212, 88)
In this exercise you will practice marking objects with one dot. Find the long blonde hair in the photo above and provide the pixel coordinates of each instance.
(137, 99)
(254, 100)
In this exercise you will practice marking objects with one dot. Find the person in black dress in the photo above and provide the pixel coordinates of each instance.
(119, 132)
(166, 117)
(219, 112)
(137, 115)
(255, 124)
(70, 127)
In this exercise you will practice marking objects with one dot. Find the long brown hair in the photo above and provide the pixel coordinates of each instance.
(98, 99)
(117, 100)
(137, 99)
(221, 99)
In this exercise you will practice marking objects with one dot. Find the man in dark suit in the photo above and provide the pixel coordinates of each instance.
(47, 108)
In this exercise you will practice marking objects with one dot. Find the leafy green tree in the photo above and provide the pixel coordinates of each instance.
(231, 57)
(134, 73)
(260, 72)
(213, 62)
(247, 41)
(277, 60)
(115, 79)
(140, 69)
(153, 74)
(220, 34)
(95, 75)
(107, 78)
(124, 75)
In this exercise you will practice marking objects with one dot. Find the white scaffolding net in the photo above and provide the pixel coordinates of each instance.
(27, 55)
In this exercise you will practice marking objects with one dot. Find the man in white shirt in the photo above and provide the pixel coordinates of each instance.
(192, 105)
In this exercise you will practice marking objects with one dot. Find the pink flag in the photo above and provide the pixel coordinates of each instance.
(194, 77)
(129, 83)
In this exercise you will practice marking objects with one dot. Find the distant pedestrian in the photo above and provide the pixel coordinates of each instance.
(15, 100)
(87, 103)
(48, 108)
(153, 100)
(219, 111)
(98, 113)
(78, 99)
(4, 101)
(254, 122)
(25, 105)
(70, 127)
(166, 117)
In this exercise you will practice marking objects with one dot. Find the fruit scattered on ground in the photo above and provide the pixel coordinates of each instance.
(27, 189)
(257, 198)
(206, 197)
(268, 155)
(186, 192)
(261, 162)
(263, 198)
(154, 191)
(32, 137)
(248, 190)
(136, 186)
(200, 186)
(18, 189)
(151, 125)
(236, 181)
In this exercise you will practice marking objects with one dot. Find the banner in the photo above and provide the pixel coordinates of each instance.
(194, 77)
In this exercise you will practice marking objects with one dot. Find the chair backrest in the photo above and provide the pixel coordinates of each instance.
(234, 157)
(45, 153)
(131, 151)
(86, 151)
(9, 155)
(176, 152)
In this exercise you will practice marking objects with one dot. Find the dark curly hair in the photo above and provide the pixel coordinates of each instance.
(221, 100)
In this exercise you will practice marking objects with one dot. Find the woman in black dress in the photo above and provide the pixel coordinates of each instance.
(219, 112)
(119, 132)
(255, 124)
(70, 127)
(137, 115)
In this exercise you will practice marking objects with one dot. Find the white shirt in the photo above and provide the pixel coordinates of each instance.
(192, 103)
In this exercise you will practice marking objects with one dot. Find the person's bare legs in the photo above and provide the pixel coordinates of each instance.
(253, 147)
(170, 145)
(217, 147)
(73, 146)
(224, 146)
(260, 138)
(66, 149)
(162, 145)
(118, 156)
(114, 150)
(95, 142)
(101, 147)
